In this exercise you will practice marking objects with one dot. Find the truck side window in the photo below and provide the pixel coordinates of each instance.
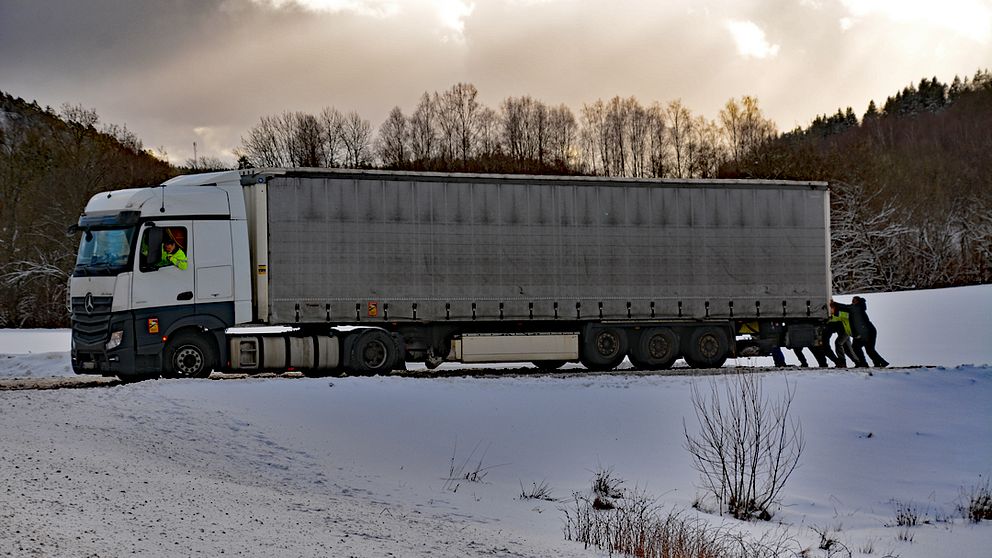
(169, 242)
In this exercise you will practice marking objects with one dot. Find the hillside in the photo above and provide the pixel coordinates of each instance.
(912, 185)
(50, 165)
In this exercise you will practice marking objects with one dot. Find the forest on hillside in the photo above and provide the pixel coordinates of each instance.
(911, 197)
(51, 163)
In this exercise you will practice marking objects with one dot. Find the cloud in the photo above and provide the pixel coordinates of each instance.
(180, 71)
(452, 15)
(373, 8)
(750, 40)
(967, 18)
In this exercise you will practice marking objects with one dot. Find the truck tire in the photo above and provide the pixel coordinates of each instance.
(708, 347)
(603, 348)
(657, 349)
(189, 355)
(373, 352)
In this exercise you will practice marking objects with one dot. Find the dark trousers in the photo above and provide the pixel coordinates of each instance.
(818, 354)
(866, 344)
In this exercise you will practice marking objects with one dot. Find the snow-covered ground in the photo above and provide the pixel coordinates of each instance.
(358, 466)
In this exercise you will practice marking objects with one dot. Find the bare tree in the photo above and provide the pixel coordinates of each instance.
(392, 145)
(639, 136)
(615, 137)
(357, 138)
(332, 125)
(204, 163)
(515, 116)
(866, 236)
(593, 140)
(747, 447)
(294, 139)
(745, 127)
(488, 132)
(261, 145)
(79, 115)
(125, 137)
(460, 118)
(706, 152)
(658, 160)
(307, 140)
(537, 131)
(972, 221)
(423, 129)
(679, 123)
(561, 134)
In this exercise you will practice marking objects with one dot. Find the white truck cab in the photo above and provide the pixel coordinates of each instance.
(129, 298)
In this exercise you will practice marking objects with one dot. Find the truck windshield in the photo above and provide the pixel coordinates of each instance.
(104, 252)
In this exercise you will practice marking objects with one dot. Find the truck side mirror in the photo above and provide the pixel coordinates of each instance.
(151, 249)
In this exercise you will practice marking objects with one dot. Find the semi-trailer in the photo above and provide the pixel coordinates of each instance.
(364, 270)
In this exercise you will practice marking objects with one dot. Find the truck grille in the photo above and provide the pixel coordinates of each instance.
(91, 326)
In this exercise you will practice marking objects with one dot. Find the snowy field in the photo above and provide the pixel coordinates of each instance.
(358, 466)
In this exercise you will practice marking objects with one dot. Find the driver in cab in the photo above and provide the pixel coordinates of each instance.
(172, 254)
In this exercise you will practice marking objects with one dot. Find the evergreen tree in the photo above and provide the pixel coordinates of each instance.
(872, 113)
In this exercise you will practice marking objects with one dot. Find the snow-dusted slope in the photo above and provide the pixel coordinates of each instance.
(357, 466)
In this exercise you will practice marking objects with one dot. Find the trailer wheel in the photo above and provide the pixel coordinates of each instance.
(189, 356)
(548, 365)
(707, 348)
(657, 349)
(603, 349)
(374, 352)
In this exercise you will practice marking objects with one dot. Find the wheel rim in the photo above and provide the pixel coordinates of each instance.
(188, 361)
(658, 347)
(374, 354)
(709, 346)
(607, 344)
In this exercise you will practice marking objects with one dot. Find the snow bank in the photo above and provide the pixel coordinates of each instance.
(359, 466)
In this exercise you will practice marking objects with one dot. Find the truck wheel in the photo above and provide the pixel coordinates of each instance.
(374, 352)
(707, 348)
(603, 349)
(657, 349)
(189, 356)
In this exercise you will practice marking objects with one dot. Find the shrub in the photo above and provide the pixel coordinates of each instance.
(636, 525)
(976, 502)
(746, 448)
(538, 491)
(459, 471)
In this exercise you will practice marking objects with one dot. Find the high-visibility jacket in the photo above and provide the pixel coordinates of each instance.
(844, 320)
(176, 258)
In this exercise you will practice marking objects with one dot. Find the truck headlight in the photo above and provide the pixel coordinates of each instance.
(115, 340)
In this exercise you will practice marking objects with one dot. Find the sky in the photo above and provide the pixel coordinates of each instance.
(182, 71)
